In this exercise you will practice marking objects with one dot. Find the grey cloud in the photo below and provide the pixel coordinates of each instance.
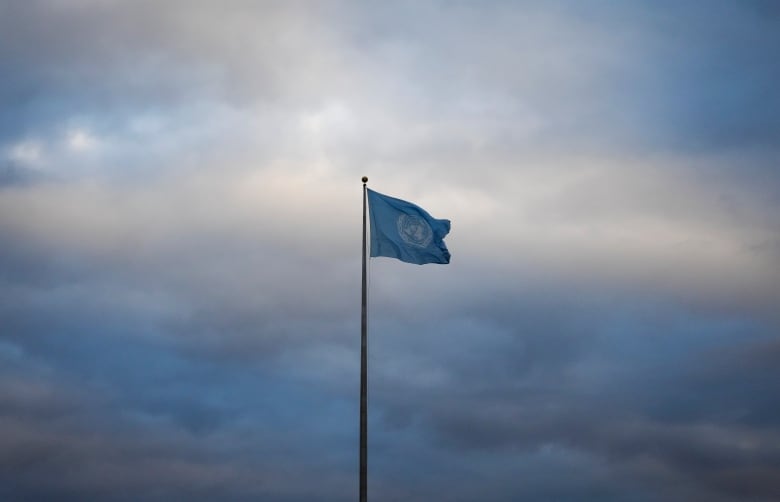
(179, 304)
(673, 416)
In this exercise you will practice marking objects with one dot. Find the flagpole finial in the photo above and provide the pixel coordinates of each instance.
(365, 179)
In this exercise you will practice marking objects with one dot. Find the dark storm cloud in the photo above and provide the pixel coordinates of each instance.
(718, 87)
(662, 402)
(98, 403)
(81, 455)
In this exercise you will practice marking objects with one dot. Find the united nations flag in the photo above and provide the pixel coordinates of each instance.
(402, 230)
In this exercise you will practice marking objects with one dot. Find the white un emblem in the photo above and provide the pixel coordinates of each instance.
(414, 230)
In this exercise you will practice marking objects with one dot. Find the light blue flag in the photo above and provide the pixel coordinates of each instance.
(402, 230)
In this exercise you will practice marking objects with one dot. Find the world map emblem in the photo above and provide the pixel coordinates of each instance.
(414, 230)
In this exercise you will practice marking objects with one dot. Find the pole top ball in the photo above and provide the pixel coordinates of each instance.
(365, 179)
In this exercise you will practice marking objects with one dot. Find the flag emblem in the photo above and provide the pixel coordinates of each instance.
(414, 230)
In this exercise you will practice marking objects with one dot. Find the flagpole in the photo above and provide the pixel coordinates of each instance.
(363, 368)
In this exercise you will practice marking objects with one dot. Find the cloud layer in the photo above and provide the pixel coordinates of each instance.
(180, 228)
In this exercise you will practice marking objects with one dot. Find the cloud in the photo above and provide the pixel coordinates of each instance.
(179, 273)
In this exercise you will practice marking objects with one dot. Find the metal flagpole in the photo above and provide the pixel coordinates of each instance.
(364, 369)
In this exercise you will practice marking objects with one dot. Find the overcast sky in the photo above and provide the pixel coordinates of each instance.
(180, 250)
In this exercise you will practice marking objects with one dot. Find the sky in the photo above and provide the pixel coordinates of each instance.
(180, 229)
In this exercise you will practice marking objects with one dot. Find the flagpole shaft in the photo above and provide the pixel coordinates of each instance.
(363, 368)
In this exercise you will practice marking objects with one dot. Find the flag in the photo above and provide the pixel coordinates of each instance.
(402, 230)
